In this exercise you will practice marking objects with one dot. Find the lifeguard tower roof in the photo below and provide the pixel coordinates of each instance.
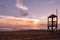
(52, 16)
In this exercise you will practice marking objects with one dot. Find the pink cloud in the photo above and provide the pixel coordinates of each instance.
(19, 4)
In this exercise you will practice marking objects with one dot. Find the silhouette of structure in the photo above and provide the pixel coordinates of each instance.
(52, 22)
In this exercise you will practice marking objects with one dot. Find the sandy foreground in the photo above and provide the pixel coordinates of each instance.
(29, 35)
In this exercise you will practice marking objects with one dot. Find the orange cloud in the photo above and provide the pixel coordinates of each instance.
(11, 20)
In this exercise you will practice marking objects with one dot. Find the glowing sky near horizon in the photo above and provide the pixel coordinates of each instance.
(37, 9)
(17, 21)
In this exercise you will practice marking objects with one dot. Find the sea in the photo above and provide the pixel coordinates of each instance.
(16, 28)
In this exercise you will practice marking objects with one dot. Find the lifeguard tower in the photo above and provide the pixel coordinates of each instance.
(52, 23)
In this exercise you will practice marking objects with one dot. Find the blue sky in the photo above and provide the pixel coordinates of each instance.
(36, 8)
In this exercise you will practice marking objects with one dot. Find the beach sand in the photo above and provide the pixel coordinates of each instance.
(29, 35)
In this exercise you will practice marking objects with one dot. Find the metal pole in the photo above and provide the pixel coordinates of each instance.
(57, 18)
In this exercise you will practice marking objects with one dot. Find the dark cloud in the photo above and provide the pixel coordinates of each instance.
(22, 13)
(1, 5)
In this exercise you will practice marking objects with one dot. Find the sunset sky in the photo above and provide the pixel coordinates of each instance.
(38, 10)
